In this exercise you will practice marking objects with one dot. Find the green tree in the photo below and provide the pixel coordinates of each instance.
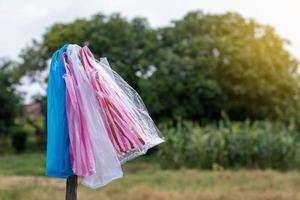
(9, 100)
(225, 63)
(198, 68)
(129, 45)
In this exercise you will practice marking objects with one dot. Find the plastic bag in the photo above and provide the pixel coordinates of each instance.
(81, 147)
(127, 122)
(58, 154)
(107, 165)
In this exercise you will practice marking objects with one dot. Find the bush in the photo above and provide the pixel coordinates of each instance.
(5, 145)
(230, 145)
(35, 144)
(19, 139)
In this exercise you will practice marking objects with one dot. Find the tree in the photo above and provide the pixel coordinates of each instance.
(198, 68)
(226, 63)
(9, 100)
(122, 41)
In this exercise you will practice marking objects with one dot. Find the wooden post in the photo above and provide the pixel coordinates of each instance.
(71, 188)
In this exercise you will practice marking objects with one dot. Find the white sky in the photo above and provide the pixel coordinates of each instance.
(21, 21)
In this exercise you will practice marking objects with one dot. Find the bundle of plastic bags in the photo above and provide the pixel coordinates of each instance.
(96, 121)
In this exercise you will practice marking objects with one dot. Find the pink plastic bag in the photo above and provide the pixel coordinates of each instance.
(107, 165)
(126, 120)
(81, 149)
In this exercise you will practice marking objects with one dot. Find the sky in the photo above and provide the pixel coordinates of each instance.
(22, 21)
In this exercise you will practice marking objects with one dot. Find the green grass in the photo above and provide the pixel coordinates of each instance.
(33, 164)
(146, 181)
(23, 164)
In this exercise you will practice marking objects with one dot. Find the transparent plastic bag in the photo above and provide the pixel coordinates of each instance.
(107, 165)
(58, 154)
(127, 122)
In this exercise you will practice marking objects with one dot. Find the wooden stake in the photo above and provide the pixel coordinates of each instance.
(71, 188)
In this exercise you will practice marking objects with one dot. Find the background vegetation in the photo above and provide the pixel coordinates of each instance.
(223, 89)
(231, 145)
(196, 69)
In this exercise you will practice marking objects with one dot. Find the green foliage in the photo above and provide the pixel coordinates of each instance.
(35, 144)
(34, 129)
(18, 139)
(226, 63)
(230, 145)
(196, 69)
(9, 100)
(5, 145)
(129, 45)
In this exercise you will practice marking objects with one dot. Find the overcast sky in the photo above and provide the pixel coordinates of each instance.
(21, 21)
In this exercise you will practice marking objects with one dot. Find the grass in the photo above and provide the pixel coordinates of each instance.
(23, 164)
(144, 180)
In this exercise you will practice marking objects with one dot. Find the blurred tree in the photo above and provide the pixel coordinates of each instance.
(198, 68)
(225, 63)
(34, 59)
(9, 100)
(129, 45)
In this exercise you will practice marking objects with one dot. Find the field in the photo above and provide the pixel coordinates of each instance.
(21, 178)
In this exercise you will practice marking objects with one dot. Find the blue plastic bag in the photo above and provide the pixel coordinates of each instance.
(58, 162)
